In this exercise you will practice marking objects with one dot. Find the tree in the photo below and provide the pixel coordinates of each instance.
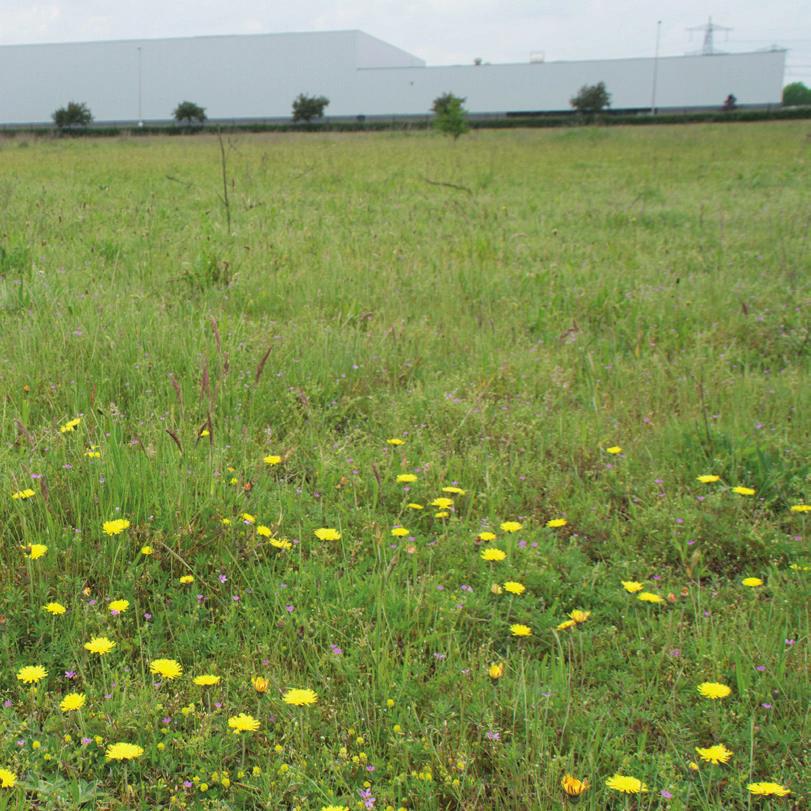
(306, 108)
(450, 116)
(75, 114)
(188, 111)
(591, 98)
(796, 94)
(730, 104)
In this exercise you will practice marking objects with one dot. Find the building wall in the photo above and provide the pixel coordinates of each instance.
(258, 77)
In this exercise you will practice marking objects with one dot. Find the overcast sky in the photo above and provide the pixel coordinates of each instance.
(440, 31)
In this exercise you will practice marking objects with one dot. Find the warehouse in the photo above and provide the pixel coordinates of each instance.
(256, 77)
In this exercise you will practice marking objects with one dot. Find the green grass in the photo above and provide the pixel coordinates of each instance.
(562, 293)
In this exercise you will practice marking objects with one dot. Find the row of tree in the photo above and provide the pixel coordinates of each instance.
(450, 115)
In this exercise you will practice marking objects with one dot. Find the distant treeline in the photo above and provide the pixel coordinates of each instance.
(409, 124)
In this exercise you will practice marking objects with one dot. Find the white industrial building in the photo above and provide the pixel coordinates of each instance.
(256, 77)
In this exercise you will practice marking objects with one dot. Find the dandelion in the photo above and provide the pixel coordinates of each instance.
(328, 534)
(715, 754)
(185, 579)
(800, 508)
(243, 723)
(743, 491)
(496, 670)
(31, 674)
(167, 668)
(36, 551)
(247, 518)
(7, 779)
(124, 751)
(487, 536)
(206, 680)
(625, 784)
(565, 625)
(92, 453)
(260, 684)
(146, 551)
(22, 495)
(415, 506)
(520, 630)
(456, 491)
(334, 808)
(511, 526)
(406, 478)
(118, 606)
(650, 597)
(400, 532)
(115, 527)
(263, 531)
(708, 478)
(572, 786)
(614, 450)
(554, 524)
(272, 460)
(395, 441)
(514, 588)
(72, 702)
(713, 690)
(493, 554)
(632, 586)
(768, 790)
(441, 514)
(442, 503)
(100, 645)
(579, 616)
(57, 609)
(300, 698)
(70, 425)
(752, 582)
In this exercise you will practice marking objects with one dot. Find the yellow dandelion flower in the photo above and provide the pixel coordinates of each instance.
(713, 690)
(496, 589)
(486, 536)
(572, 786)
(22, 495)
(554, 524)
(400, 532)
(441, 514)
(800, 508)
(752, 582)
(496, 670)
(632, 586)
(520, 630)
(31, 674)
(579, 616)
(119, 606)
(260, 684)
(185, 579)
(514, 588)
(124, 751)
(493, 554)
(614, 450)
(56, 609)
(415, 506)
(743, 491)
(565, 625)
(511, 526)
(300, 698)
(204, 433)
(147, 550)
(167, 668)
(272, 460)
(115, 527)
(70, 425)
(708, 478)
(92, 453)
(406, 478)
(248, 518)
(100, 645)
(715, 754)
(768, 790)
(327, 534)
(334, 808)
(442, 503)
(625, 784)
(281, 543)
(7, 779)
(72, 702)
(649, 597)
(264, 531)
(243, 723)
(395, 441)
(226, 522)
(36, 551)
(456, 491)
(206, 680)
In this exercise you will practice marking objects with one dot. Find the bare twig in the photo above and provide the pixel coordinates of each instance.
(261, 367)
(224, 167)
(448, 185)
(176, 440)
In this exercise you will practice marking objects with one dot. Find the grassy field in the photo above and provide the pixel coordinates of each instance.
(535, 325)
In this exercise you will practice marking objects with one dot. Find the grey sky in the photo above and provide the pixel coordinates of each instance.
(440, 31)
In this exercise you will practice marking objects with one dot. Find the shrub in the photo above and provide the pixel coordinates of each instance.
(306, 108)
(591, 98)
(796, 94)
(730, 104)
(75, 114)
(450, 116)
(188, 111)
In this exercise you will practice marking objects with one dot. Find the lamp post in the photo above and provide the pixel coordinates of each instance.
(140, 87)
(655, 68)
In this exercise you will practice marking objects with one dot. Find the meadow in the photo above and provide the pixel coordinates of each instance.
(446, 475)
